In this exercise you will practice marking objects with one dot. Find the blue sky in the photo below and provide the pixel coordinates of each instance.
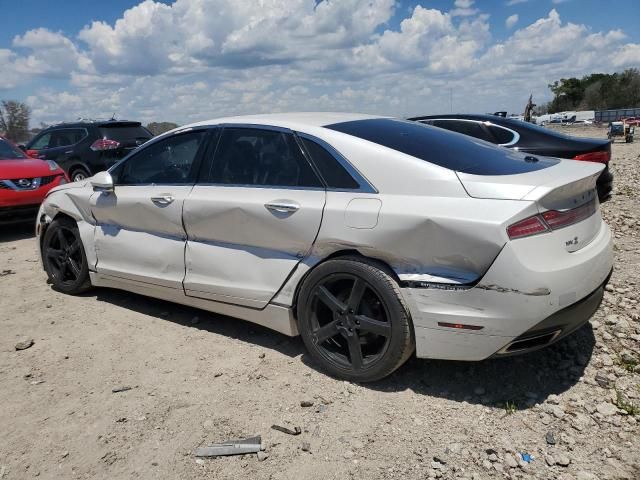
(159, 62)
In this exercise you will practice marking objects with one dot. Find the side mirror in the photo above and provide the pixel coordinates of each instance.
(22, 147)
(102, 182)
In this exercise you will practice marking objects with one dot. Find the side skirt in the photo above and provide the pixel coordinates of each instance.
(275, 317)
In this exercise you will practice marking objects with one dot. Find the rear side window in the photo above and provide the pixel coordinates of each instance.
(125, 134)
(253, 156)
(502, 135)
(440, 147)
(63, 138)
(471, 128)
(334, 174)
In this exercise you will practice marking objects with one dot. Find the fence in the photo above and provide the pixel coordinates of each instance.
(606, 116)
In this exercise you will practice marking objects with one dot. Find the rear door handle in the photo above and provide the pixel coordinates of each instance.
(162, 199)
(282, 207)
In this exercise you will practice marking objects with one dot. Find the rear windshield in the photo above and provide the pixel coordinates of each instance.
(125, 133)
(8, 151)
(444, 148)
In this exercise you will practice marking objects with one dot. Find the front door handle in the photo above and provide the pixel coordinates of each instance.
(162, 199)
(282, 207)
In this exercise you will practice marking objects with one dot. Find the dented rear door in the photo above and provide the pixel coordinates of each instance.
(252, 219)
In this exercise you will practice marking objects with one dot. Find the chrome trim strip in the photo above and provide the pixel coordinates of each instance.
(516, 135)
(35, 184)
(505, 349)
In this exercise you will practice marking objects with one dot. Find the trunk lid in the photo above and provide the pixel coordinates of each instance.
(566, 189)
(552, 187)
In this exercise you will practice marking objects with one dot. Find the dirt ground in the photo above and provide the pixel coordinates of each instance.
(198, 378)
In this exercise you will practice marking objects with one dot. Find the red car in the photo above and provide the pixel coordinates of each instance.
(24, 182)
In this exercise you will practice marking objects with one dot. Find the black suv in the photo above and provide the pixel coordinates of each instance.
(87, 147)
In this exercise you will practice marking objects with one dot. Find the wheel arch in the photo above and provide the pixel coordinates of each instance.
(77, 162)
(352, 252)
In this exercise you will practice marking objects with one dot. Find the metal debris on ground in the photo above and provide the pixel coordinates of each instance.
(231, 447)
(288, 431)
(120, 389)
(25, 344)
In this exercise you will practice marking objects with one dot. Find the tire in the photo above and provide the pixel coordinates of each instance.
(353, 319)
(63, 257)
(79, 174)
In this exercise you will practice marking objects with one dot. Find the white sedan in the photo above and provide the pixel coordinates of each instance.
(371, 237)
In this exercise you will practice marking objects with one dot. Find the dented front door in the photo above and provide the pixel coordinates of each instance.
(139, 234)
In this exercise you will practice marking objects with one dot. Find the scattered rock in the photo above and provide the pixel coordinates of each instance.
(262, 456)
(120, 389)
(603, 380)
(510, 461)
(607, 409)
(563, 460)
(550, 438)
(25, 344)
(262, 355)
(306, 403)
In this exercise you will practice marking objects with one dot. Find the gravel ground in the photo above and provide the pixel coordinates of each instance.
(197, 378)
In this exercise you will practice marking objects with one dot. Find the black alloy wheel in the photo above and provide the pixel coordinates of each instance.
(63, 257)
(353, 320)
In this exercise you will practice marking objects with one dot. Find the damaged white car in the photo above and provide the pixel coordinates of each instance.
(371, 237)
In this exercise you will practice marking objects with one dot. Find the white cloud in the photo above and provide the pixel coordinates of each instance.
(464, 8)
(510, 3)
(511, 20)
(183, 63)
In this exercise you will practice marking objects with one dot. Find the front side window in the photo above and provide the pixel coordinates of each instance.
(172, 160)
(260, 157)
(41, 142)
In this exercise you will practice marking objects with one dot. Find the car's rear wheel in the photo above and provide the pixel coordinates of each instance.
(79, 174)
(63, 257)
(353, 319)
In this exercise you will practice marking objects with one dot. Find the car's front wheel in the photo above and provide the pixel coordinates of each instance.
(353, 319)
(63, 257)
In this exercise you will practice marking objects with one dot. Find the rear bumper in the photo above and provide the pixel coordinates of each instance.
(556, 326)
(528, 290)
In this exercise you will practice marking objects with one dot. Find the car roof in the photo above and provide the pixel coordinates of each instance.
(291, 120)
(463, 116)
(95, 123)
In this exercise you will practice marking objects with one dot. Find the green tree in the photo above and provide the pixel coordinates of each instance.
(14, 120)
(598, 91)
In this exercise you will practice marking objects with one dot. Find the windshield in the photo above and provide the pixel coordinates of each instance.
(9, 152)
(447, 149)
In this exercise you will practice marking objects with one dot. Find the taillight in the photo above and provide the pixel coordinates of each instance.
(104, 144)
(550, 220)
(601, 156)
(527, 227)
(557, 220)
